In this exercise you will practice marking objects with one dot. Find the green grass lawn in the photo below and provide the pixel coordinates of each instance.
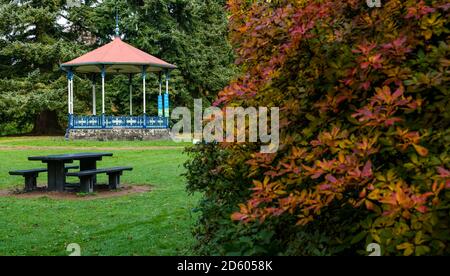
(153, 223)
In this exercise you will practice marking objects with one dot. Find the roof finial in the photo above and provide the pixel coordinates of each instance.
(117, 22)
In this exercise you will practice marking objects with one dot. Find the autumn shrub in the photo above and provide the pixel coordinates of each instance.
(365, 131)
(208, 172)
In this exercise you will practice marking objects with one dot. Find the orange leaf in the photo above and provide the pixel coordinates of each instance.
(400, 195)
(422, 151)
(369, 205)
(238, 216)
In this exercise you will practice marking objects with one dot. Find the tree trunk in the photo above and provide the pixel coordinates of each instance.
(46, 123)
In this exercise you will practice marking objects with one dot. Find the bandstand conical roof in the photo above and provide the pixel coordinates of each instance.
(117, 57)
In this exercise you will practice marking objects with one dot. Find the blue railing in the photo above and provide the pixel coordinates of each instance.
(109, 122)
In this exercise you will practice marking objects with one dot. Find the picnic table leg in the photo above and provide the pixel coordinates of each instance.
(87, 184)
(89, 164)
(114, 180)
(30, 182)
(56, 176)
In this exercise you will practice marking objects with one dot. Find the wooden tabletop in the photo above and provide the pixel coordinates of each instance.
(71, 156)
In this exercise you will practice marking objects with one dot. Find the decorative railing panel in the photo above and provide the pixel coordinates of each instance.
(109, 122)
(157, 122)
(86, 121)
(124, 122)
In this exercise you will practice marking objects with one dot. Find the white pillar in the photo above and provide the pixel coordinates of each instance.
(166, 97)
(71, 96)
(160, 99)
(167, 84)
(71, 91)
(103, 90)
(68, 94)
(143, 86)
(94, 108)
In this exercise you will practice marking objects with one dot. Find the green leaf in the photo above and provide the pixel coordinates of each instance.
(422, 250)
(360, 236)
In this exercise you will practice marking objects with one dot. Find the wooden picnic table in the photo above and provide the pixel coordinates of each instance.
(56, 166)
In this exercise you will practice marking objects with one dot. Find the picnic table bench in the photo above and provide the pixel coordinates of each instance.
(87, 177)
(32, 174)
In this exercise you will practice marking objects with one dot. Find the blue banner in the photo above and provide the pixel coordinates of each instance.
(160, 106)
(166, 105)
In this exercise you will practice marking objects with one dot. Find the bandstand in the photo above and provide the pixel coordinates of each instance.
(118, 57)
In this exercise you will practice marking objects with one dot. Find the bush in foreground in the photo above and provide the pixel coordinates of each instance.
(365, 138)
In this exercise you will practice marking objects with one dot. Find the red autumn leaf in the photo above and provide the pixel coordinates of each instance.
(238, 216)
(364, 113)
(363, 193)
(365, 85)
(376, 61)
(422, 209)
(419, 10)
(364, 65)
(331, 178)
(317, 175)
(324, 187)
(384, 95)
(392, 121)
(364, 49)
(367, 170)
(254, 202)
(275, 211)
(443, 172)
(398, 93)
(399, 42)
(369, 204)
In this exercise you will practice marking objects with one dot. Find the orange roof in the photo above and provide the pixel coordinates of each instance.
(117, 57)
